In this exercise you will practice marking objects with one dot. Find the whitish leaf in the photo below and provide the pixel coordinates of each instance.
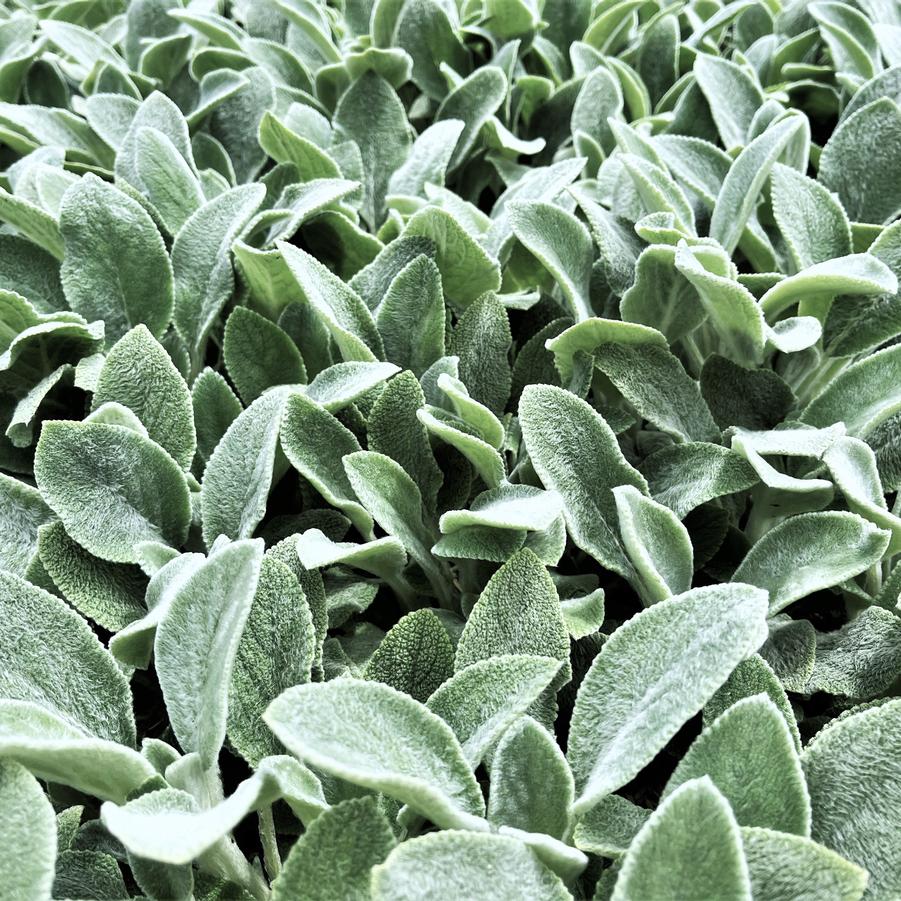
(507, 507)
(609, 827)
(463, 865)
(411, 318)
(862, 659)
(656, 384)
(379, 738)
(575, 453)
(197, 642)
(415, 657)
(813, 223)
(215, 409)
(633, 700)
(531, 785)
(859, 273)
(790, 651)
(657, 544)
(315, 444)
(116, 267)
(394, 430)
(168, 825)
(562, 245)
(32, 223)
(661, 296)
(658, 193)
(662, 862)
(732, 311)
(588, 336)
(482, 700)
(749, 754)
(169, 184)
(285, 145)
(858, 160)
(338, 306)
(850, 38)
(734, 97)
(201, 261)
(140, 375)
(852, 775)
(790, 866)
(583, 614)
(518, 612)
(23, 512)
(111, 488)
(276, 650)
(371, 113)
(340, 385)
(334, 856)
(427, 160)
(259, 355)
(51, 657)
(862, 396)
(481, 340)
(111, 594)
(684, 476)
(242, 469)
(853, 325)
(384, 557)
(54, 749)
(810, 552)
(738, 197)
(28, 826)
(393, 499)
(475, 415)
(467, 270)
(753, 677)
(852, 465)
(486, 460)
(95, 872)
(473, 101)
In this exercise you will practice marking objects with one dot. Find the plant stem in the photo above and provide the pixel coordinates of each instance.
(271, 858)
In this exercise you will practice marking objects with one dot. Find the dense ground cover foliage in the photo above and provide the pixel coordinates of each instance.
(450, 449)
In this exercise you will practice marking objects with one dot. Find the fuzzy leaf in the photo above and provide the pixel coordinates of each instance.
(809, 552)
(575, 454)
(140, 375)
(853, 805)
(749, 754)
(457, 865)
(615, 729)
(376, 737)
(662, 862)
(112, 488)
(197, 642)
(115, 266)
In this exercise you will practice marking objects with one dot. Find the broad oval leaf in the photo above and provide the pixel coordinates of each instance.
(809, 552)
(140, 375)
(634, 699)
(112, 488)
(51, 657)
(460, 866)
(662, 862)
(749, 754)
(29, 826)
(377, 737)
(115, 267)
(854, 807)
(575, 453)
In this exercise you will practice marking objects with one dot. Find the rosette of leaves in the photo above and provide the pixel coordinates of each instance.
(450, 450)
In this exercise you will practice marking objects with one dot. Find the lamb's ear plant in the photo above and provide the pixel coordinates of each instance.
(450, 450)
